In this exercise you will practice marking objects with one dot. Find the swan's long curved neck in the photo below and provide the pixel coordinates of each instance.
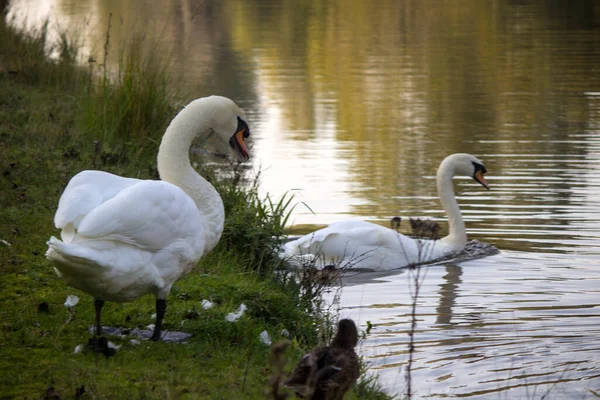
(174, 166)
(457, 235)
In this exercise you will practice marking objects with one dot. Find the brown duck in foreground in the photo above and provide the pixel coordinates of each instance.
(328, 372)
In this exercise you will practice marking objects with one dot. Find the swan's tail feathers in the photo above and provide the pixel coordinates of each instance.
(68, 255)
(289, 252)
(307, 252)
(91, 255)
(303, 253)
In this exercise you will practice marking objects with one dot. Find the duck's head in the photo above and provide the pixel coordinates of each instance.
(395, 223)
(465, 164)
(346, 336)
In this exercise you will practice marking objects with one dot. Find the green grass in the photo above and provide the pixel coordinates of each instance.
(46, 137)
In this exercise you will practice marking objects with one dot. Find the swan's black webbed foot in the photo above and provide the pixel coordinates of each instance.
(99, 344)
(155, 337)
(98, 304)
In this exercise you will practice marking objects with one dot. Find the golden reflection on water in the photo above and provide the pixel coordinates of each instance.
(406, 83)
(357, 103)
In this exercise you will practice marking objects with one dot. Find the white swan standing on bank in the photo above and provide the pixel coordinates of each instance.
(360, 244)
(123, 238)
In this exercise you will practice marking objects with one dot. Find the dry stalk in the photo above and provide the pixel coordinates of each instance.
(426, 233)
(106, 47)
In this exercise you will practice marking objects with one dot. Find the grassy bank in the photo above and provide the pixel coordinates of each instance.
(55, 122)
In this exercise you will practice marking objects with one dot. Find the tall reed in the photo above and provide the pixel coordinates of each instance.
(131, 98)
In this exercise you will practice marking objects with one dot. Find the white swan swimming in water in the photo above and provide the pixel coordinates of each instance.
(123, 238)
(364, 245)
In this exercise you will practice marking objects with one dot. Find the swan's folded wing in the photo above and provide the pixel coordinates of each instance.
(361, 233)
(150, 214)
(86, 191)
(348, 224)
(357, 243)
(344, 239)
(352, 244)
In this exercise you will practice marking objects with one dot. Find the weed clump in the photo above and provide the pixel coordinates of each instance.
(255, 226)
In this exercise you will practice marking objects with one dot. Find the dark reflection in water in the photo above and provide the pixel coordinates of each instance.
(355, 103)
(448, 293)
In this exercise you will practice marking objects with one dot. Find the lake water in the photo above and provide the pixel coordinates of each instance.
(353, 104)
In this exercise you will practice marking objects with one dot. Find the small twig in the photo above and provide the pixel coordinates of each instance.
(96, 152)
(107, 45)
(422, 229)
(91, 61)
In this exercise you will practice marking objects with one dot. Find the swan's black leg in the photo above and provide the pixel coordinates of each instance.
(161, 307)
(98, 306)
(99, 343)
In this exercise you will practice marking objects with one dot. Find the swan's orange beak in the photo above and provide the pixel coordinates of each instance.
(479, 178)
(238, 144)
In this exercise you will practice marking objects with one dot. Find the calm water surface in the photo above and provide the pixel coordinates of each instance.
(354, 104)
